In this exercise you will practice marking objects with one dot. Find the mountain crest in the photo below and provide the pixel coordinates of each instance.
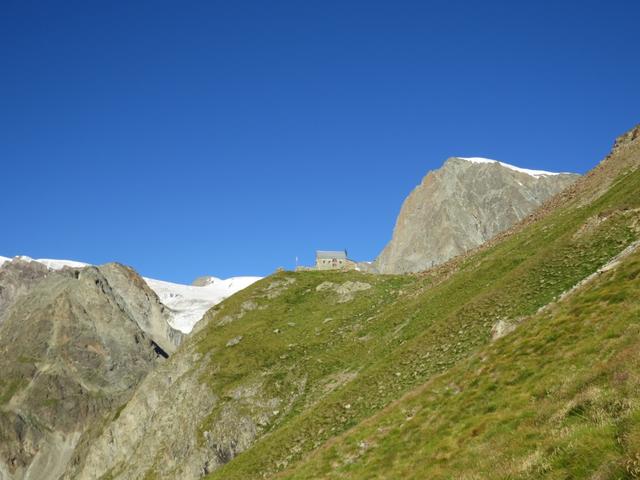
(460, 206)
(627, 139)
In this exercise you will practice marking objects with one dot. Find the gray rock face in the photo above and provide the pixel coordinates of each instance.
(162, 415)
(158, 430)
(143, 305)
(459, 207)
(74, 344)
(16, 278)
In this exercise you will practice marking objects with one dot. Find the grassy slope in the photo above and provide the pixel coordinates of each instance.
(404, 331)
(302, 339)
(559, 398)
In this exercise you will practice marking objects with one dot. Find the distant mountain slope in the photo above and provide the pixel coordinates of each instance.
(73, 347)
(460, 206)
(186, 304)
(20, 275)
(75, 340)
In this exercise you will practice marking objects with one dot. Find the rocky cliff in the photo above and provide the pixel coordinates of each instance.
(460, 206)
(74, 344)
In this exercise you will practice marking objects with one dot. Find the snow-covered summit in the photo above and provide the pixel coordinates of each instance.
(49, 263)
(186, 303)
(52, 264)
(533, 173)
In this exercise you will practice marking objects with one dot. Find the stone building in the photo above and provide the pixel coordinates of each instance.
(333, 260)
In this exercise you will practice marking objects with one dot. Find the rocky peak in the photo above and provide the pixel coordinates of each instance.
(626, 139)
(462, 205)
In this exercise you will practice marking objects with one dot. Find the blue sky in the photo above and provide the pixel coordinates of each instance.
(227, 138)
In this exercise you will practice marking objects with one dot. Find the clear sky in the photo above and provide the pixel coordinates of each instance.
(228, 137)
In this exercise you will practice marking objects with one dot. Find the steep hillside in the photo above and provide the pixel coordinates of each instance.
(265, 351)
(295, 360)
(557, 398)
(461, 303)
(460, 206)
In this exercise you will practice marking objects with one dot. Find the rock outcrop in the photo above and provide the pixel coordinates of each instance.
(460, 206)
(143, 305)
